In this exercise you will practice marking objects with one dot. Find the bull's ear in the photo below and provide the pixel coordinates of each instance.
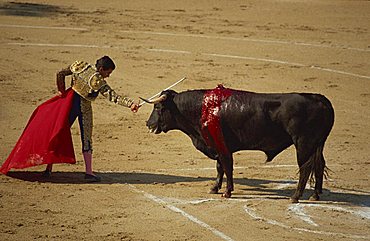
(169, 93)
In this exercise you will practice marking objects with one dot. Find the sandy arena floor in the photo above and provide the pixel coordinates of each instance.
(155, 187)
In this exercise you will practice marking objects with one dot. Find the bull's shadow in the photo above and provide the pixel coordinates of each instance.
(253, 187)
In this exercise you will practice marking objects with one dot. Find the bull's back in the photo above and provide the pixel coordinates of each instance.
(317, 114)
(269, 122)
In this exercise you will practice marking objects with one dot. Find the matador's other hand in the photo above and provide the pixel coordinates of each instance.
(60, 93)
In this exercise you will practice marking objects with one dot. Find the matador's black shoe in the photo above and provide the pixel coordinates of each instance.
(92, 178)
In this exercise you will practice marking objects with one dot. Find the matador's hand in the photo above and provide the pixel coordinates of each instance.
(134, 107)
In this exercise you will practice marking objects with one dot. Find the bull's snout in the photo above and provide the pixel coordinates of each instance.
(153, 128)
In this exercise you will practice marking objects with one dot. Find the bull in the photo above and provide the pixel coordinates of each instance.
(222, 121)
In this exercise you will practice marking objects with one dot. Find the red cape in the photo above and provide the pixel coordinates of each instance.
(47, 137)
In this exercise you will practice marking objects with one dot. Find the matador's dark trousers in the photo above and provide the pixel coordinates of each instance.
(82, 109)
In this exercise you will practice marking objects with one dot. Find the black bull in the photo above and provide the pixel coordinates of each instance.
(253, 121)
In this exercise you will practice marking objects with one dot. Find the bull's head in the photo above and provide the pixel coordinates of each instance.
(161, 118)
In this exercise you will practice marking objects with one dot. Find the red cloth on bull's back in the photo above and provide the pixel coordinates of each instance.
(210, 120)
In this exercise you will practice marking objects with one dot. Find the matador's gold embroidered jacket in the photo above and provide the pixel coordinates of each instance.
(88, 83)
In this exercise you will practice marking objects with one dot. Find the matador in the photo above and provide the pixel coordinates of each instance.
(47, 138)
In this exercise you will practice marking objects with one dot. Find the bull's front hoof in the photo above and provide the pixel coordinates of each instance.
(314, 197)
(294, 200)
(213, 190)
(226, 195)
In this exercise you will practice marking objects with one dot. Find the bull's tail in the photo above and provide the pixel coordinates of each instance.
(316, 164)
(316, 167)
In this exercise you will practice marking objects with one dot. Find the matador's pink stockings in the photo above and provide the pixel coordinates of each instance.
(88, 162)
(49, 167)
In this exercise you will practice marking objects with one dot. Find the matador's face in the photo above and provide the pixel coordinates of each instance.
(105, 73)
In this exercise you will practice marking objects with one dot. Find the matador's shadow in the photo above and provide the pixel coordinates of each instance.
(107, 178)
(253, 187)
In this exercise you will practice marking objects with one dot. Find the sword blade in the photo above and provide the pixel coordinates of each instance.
(169, 87)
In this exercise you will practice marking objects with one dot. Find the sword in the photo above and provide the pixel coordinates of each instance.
(169, 87)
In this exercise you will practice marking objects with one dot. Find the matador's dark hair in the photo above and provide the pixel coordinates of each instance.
(106, 63)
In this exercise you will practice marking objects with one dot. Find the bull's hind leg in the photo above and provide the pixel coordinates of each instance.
(319, 168)
(220, 174)
(304, 173)
(304, 156)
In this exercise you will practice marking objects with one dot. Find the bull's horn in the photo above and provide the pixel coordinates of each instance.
(156, 100)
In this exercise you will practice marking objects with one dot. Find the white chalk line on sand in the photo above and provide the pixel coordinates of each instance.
(253, 213)
(288, 63)
(182, 212)
(256, 59)
(266, 41)
(363, 213)
(206, 54)
(41, 27)
(170, 51)
(296, 209)
(339, 72)
(61, 45)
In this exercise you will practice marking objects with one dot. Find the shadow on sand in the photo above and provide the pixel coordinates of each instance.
(107, 178)
(350, 197)
(253, 186)
(29, 9)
